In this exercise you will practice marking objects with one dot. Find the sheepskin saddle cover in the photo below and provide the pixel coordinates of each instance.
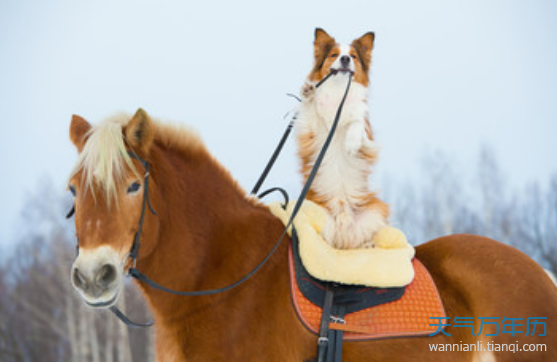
(388, 264)
(370, 312)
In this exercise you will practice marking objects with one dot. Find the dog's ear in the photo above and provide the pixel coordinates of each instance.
(364, 46)
(322, 45)
(139, 132)
(79, 130)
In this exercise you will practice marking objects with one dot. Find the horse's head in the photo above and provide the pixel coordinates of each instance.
(107, 185)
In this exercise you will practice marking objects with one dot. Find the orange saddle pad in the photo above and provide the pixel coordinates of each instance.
(406, 317)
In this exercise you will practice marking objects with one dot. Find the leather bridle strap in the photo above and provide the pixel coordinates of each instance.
(146, 202)
(332, 72)
(274, 157)
(118, 313)
(135, 273)
(134, 250)
(280, 146)
(133, 254)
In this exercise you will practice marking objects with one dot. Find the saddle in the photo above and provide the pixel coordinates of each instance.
(340, 313)
(356, 295)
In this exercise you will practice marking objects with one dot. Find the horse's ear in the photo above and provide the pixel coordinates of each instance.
(364, 46)
(79, 129)
(139, 132)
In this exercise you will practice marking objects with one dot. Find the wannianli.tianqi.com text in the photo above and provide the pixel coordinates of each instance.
(487, 347)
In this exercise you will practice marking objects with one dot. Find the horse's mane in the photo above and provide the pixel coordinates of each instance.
(182, 138)
(104, 157)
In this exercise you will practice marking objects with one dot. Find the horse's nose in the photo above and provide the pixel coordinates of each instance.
(79, 279)
(98, 282)
(106, 275)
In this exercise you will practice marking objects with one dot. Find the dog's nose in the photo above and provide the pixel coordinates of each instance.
(97, 283)
(345, 60)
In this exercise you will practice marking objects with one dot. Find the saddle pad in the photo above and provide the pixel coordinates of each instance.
(352, 298)
(408, 316)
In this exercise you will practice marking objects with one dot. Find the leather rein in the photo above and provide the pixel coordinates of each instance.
(132, 256)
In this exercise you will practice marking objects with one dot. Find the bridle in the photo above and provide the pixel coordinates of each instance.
(132, 256)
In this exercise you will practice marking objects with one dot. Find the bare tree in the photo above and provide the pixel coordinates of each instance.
(536, 228)
(445, 202)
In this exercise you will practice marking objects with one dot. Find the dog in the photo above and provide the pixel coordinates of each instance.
(341, 184)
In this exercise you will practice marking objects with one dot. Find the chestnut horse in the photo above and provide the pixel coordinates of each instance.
(208, 234)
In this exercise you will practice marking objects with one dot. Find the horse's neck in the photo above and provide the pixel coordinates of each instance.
(210, 235)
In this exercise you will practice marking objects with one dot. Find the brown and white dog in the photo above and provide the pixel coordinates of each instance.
(341, 185)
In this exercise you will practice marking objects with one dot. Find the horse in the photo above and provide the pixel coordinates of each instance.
(207, 233)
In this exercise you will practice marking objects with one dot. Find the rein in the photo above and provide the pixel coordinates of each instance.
(133, 254)
(282, 141)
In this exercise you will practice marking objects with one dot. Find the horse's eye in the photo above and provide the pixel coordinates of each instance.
(72, 190)
(134, 187)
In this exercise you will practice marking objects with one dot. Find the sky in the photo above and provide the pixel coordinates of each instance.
(446, 75)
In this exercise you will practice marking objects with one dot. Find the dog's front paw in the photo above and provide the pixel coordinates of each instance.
(308, 90)
(354, 139)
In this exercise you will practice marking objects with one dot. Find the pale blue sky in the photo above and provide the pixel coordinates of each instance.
(446, 74)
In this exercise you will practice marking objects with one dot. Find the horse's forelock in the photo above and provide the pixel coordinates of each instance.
(104, 157)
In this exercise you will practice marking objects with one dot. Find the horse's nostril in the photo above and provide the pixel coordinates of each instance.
(78, 279)
(107, 274)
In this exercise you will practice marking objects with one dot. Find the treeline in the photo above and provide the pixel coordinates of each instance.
(42, 318)
(447, 201)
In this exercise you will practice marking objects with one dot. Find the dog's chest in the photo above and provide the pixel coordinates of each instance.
(329, 96)
(341, 175)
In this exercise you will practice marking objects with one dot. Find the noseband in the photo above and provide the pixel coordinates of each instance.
(132, 256)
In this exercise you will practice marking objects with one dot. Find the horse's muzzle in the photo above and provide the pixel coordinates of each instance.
(96, 275)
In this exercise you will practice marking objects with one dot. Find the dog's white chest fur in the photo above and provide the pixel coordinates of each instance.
(340, 174)
(329, 95)
(342, 179)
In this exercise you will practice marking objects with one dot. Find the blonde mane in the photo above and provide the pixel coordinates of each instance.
(104, 157)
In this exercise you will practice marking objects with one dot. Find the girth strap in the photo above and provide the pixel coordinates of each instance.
(323, 341)
(339, 334)
(329, 344)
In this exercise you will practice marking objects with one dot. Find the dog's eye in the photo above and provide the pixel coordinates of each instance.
(72, 190)
(334, 55)
(134, 187)
(353, 56)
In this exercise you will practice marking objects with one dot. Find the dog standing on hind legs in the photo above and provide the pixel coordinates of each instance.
(341, 184)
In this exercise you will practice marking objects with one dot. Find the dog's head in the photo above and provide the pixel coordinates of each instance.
(342, 59)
